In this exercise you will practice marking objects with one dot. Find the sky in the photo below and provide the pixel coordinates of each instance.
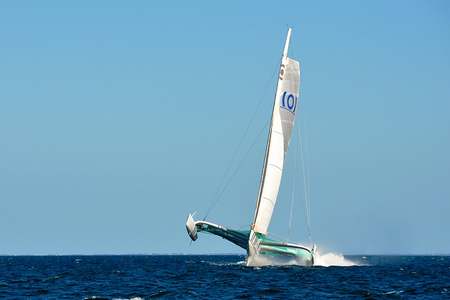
(117, 119)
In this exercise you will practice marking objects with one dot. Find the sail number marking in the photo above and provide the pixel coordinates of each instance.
(289, 101)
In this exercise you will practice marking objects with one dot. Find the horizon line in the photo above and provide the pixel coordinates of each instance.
(219, 254)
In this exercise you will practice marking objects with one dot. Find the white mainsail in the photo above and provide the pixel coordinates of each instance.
(283, 115)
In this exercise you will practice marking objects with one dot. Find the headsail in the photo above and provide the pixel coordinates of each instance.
(283, 115)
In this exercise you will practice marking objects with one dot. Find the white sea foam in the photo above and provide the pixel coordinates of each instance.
(321, 259)
(332, 259)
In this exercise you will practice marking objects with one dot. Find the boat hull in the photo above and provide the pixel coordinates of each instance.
(261, 250)
(266, 252)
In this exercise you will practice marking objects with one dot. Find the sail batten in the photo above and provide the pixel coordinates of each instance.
(283, 116)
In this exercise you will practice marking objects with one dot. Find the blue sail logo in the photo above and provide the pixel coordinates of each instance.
(289, 102)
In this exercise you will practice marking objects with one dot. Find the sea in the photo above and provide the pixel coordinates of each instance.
(222, 277)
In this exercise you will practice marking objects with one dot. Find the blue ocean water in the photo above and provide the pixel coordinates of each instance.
(219, 276)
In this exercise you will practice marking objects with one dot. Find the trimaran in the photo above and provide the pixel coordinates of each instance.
(262, 250)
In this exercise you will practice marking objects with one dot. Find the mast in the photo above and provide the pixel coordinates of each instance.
(286, 44)
(269, 137)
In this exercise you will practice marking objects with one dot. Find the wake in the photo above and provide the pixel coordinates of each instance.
(332, 259)
(328, 259)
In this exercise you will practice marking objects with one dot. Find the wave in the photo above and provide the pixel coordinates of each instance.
(211, 263)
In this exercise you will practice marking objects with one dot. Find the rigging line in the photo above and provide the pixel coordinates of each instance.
(230, 179)
(306, 189)
(307, 167)
(291, 212)
(239, 145)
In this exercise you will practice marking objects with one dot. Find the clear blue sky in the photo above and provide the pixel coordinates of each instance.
(118, 119)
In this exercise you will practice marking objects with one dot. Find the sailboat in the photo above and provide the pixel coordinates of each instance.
(261, 249)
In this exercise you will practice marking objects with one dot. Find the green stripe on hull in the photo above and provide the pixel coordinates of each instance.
(284, 251)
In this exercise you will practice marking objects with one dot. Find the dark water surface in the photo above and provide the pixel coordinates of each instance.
(215, 276)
